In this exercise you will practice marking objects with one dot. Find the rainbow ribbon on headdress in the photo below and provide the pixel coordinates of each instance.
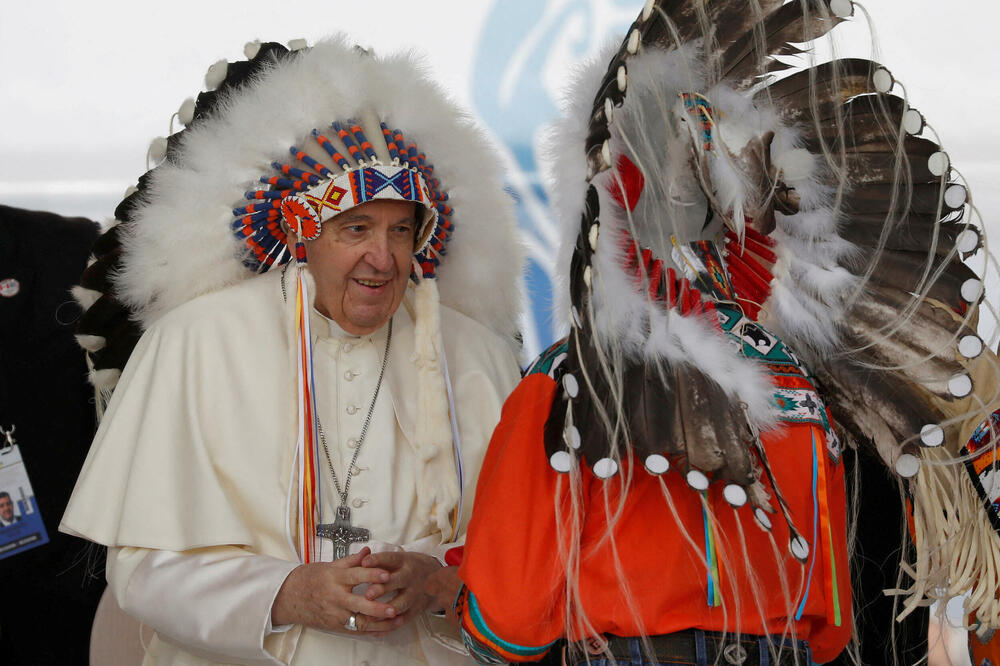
(307, 446)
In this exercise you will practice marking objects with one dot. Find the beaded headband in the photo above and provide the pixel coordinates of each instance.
(306, 196)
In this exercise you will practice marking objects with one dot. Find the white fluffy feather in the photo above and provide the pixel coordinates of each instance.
(181, 245)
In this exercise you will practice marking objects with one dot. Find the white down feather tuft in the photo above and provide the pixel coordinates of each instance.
(181, 245)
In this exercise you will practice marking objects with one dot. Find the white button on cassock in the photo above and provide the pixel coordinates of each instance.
(352, 410)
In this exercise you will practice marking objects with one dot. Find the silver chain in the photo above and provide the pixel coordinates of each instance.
(364, 428)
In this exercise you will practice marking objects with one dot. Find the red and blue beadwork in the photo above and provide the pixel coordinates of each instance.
(304, 196)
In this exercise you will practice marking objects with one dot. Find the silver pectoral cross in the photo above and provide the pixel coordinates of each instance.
(342, 533)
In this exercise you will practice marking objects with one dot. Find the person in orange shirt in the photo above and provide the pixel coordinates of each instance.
(665, 485)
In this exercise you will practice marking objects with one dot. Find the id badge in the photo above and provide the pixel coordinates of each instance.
(21, 526)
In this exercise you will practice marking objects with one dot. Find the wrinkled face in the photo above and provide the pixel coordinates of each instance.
(6, 508)
(361, 263)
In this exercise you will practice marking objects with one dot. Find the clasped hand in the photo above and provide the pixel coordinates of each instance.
(321, 594)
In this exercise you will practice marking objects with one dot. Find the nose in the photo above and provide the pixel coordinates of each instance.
(379, 254)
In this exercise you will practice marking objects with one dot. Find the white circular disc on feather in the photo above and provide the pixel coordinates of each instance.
(633, 42)
(561, 461)
(697, 480)
(216, 74)
(971, 290)
(735, 495)
(960, 385)
(970, 346)
(657, 464)
(251, 49)
(932, 435)
(622, 78)
(882, 80)
(799, 548)
(158, 149)
(571, 435)
(605, 468)
(842, 8)
(587, 273)
(609, 110)
(606, 154)
(907, 465)
(595, 232)
(297, 44)
(647, 9)
(967, 241)
(913, 121)
(185, 113)
(762, 518)
(938, 163)
(570, 385)
(955, 195)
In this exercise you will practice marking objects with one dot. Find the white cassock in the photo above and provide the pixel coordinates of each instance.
(189, 478)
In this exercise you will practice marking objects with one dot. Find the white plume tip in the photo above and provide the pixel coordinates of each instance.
(697, 480)
(938, 163)
(251, 49)
(647, 9)
(913, 121)
(216, 74)
(955, 196)
(85, 297)
(158, 149)
(657, 464)
(570, 385)
(633, 42)
(971, 290)
(571, 436)
(907, 465)
(842, 8)
(960, 385)
(762, 519)
(185, 113)
(799, 548)
(735, 495)
(561, 461)
(932, 435)
(882, 80)
(605, 468)
(970, 346)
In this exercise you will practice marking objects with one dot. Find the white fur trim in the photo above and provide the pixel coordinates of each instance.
(438, 491)
(181, 245)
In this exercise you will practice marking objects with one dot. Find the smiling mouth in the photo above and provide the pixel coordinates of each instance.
(373, 284)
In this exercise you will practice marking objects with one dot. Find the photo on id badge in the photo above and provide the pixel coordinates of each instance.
(21, 526)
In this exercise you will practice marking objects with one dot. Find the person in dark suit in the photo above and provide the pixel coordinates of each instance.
(44, 394)
(7, 516)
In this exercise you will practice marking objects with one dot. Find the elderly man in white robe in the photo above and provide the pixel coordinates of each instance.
(275, 481)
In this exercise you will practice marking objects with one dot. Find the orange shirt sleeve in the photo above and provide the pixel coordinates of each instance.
(512, 564)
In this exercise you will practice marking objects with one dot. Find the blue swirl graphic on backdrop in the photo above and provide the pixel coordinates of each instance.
(525, 53)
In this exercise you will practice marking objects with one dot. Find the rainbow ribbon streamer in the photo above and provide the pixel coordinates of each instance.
(307, 452)
(711, 555)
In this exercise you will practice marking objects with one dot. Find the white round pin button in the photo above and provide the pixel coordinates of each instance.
(9, 287)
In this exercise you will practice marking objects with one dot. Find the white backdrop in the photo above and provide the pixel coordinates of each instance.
(86, 85)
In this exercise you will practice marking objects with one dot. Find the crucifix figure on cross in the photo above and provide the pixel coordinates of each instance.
(342, 533)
